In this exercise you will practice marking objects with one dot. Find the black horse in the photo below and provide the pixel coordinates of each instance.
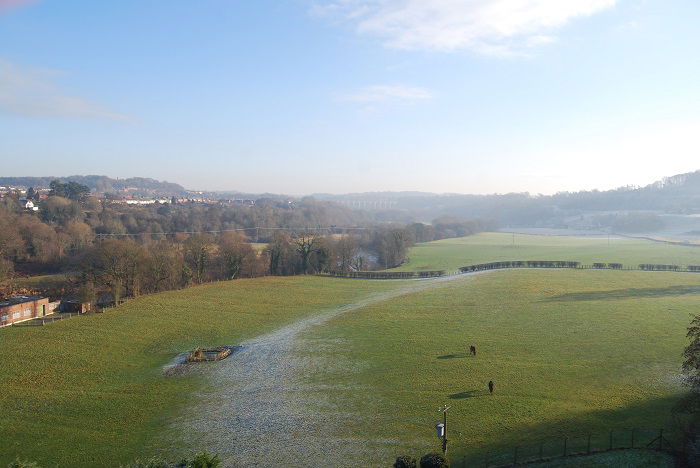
(472, 350)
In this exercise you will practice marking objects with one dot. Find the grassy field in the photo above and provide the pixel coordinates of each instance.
(621, 459)
(40, 282)
(450, 254)
(569, 351)
(89, 392)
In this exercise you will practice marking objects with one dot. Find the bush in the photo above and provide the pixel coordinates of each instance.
(434, 460)
(204, 460)
(405, 461)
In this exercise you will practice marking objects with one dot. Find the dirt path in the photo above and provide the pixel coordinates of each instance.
(260, 411)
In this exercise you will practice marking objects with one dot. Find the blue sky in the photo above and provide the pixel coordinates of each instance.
(303, 96)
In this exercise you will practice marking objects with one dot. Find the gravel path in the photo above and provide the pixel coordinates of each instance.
(259, 411)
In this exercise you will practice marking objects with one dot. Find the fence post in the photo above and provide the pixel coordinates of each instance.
(661, 438)
(515, 456)
(541, 451)
(566, 439)
(632, 438)
(611, 440)
(589, 444)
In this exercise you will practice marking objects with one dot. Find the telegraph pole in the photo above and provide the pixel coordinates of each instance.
(443, 410)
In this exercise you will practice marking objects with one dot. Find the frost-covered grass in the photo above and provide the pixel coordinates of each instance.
(450, 254)
(570, 351)
(89, 391)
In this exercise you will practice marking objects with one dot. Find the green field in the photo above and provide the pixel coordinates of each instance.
(89, 392)
(450, 254)
(570, 351)
(40, 282)
(621, 459)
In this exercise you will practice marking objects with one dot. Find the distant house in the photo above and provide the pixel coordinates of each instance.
(162, 201)
(29, 205)
(20, 308)
(244, 202)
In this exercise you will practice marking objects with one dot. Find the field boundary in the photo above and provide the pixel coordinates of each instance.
(579, 446)
(386, 274)
(509, 265)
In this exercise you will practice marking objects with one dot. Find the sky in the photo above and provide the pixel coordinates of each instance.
(338, 96)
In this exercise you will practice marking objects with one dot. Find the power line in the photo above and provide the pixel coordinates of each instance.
(217, 231)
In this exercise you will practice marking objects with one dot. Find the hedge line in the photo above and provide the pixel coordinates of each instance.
(388, 274)
(501, 266)
(520, 264)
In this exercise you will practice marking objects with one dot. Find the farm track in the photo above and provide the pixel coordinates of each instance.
(258, 411)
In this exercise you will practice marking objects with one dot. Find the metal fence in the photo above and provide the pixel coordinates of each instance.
(576, 446)
(39, 321)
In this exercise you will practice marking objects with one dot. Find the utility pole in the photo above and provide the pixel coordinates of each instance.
(443, 430)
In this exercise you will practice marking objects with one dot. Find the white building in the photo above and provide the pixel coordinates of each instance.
(29, 205)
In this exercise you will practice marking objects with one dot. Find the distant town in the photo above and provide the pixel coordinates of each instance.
(29, 196)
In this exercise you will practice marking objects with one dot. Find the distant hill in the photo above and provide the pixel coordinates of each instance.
(678, 194)
(99, 183)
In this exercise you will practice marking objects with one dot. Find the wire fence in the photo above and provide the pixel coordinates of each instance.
(577, 446)
(40, 321)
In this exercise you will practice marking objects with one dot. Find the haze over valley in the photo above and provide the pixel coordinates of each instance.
(349, 233)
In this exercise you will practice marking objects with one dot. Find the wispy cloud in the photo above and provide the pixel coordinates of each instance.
(383, 93)
(494, 27)
(6, 5)
(29, 92)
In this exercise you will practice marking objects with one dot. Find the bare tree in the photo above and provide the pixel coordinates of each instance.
(346, 251)
(198, 255)
(306, 246)
(234, 253)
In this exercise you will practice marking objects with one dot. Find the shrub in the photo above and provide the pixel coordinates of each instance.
(204, 460)
(434, 460)
(405, 461)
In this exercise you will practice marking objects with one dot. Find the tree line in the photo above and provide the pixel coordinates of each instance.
(124, 250)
